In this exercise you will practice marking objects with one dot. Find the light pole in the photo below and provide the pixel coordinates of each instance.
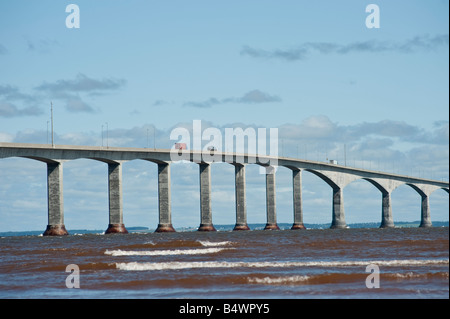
(345, 155)
(107, 135)
(51, 111)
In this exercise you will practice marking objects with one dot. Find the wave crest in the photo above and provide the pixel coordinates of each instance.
(206, 243)
(200, 251)
(227, 264)
(278, 280)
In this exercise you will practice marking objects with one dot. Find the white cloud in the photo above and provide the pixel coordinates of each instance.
(71, 90)
(251, 97)
(10, 96)
(76, 105)
(304, 50)
(82, 83)
(6, 137)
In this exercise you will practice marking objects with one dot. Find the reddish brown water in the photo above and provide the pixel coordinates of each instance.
(412, 263)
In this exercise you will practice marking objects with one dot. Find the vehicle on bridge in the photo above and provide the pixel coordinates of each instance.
(180, 146)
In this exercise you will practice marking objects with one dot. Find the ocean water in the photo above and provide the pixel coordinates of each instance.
(361, 263)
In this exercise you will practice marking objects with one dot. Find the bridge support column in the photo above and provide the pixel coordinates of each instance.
(425, 220)
(115, 199)
(297, 194)
(55, 200)
(271, 200)
(241, 205)
(205, 198)
(338, 220)
(165, 212)
(386, 211)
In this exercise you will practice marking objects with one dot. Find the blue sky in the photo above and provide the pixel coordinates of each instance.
(312, 69)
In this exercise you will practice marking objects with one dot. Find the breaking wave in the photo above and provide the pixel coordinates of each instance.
(340, 278)
(278, 280)
(200, 251)
(412, 275)
(214, 244)
(225, 264)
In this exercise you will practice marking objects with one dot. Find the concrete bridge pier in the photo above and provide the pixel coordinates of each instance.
(55, 201)
(241, 205)
(115, 199)
(338, 219)
(297, 194)
(165, 212)
(386, 211)
(271, 200)
(425, 220)
(205, 198)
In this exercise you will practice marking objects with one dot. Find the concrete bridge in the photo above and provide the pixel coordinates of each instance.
(336, 176)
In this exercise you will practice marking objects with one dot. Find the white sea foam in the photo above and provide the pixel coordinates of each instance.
(200, 251)
(226, 264)
(278, 280)
(408, 275)
(411, 275)
(214, 244)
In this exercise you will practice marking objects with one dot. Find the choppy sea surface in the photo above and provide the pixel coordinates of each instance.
(314, 263)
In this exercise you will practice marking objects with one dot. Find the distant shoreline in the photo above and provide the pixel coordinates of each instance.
(283, 226)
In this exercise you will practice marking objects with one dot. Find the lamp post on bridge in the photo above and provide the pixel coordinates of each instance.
(107, 135)
(51, 116)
